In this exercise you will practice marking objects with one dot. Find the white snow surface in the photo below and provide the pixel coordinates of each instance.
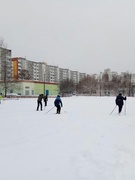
(84, 142)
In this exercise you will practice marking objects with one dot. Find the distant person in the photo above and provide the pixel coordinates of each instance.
(45, 99)
(39, 102)
(119, 102)
(58, 104)
(1, 98)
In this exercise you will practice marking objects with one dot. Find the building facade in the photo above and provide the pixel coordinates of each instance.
(52, 74)
(31, 88)
(6, 71)
(64, 74)
(40, 71)
(36, 70)
(34, 88)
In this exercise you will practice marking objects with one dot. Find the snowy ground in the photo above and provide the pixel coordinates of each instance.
(84, 142)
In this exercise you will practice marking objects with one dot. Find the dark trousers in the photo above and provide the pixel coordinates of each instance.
(58, 109)
(120, 108)
(39, 103)
(46, 103)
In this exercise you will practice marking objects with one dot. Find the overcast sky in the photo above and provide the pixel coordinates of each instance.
(82, 35)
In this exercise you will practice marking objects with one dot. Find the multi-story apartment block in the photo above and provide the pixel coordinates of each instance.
(40, 71)
(5, 64)
(74, 76)
(133, 79)
(81, 76)
(52, 74)
(64, 74)
(35, 69)
(18, 65)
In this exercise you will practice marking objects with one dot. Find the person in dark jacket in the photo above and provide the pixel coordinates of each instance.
(45, 99)
(119, 102)
(58, 104)
(39, 101)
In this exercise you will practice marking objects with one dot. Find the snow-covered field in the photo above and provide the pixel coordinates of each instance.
(84, 142)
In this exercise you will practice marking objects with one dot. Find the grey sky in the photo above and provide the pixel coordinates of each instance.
(84, 35)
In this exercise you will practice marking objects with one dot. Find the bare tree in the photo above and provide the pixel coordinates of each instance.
(88, 85)
(67, 86)
(24, 74)
(126, 83)
(115, 83)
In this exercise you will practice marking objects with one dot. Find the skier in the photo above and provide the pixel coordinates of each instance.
(58, 104)
(45, 99)
(119, 102)
(1, 98)
(39, 101)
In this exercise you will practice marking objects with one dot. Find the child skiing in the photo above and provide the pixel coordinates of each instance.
(1, 98)
(58, 104)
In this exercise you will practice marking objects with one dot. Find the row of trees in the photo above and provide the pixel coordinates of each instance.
(92, 85)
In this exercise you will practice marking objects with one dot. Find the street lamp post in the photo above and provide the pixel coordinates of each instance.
(44, 80)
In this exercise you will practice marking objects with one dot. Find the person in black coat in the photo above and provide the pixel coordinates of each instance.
(39, 101)
(119, 102)
(58, 104)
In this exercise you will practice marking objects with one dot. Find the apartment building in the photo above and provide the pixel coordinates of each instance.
(133, 79)
(74, 76)
(5, 64)
(81, 76)
(36, 70)
(19, 64)
(40, 71)
(64, 74)
(52, 74)
(68, 74)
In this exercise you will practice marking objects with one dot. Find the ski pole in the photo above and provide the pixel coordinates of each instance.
(50, 109)
(113, 110)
